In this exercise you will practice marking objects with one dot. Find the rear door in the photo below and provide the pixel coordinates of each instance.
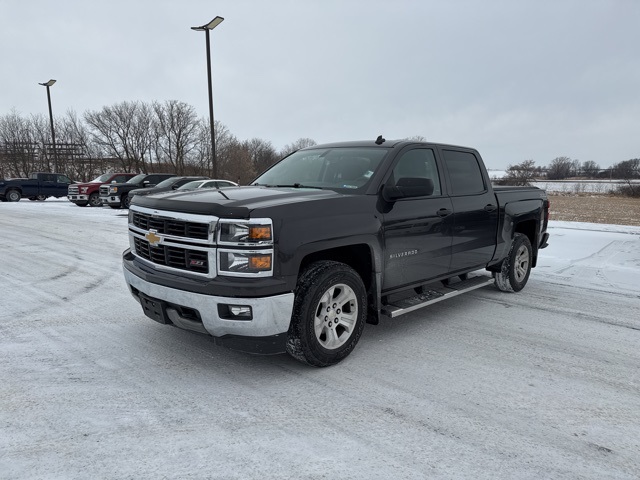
(417, 231)
(475, 219)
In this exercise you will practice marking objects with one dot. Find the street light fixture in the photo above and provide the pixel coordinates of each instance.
(53, 134)
(205, 28)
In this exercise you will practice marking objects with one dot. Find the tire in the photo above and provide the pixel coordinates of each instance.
(125, 201)
(516, 268)
(41, 198)
(327, 291)
(13, 195)
(94, 200)
(33, 199)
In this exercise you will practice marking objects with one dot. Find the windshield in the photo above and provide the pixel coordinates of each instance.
(166, 183)
(348, 168)
(137, 178)
(102, 178)
(191, 185)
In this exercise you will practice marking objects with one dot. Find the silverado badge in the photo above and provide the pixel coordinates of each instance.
(152, 238)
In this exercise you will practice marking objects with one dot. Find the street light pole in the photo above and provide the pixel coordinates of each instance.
(206, 28)
(53, 134)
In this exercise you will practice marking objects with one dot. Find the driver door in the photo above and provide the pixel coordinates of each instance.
(417, 231)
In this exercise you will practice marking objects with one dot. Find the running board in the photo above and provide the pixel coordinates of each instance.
(435, 295)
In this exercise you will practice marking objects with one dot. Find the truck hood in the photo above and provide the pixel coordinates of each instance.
(235, 202)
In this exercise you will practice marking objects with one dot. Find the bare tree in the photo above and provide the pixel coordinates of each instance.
(175, 134)
(559, 168)
(124, 130)
(297, 145)
(590, 168)
(262, 154)
(20, 149)
(238, 167)
(521, 174)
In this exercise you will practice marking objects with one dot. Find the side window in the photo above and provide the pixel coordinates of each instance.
(48, 178)
(153, 179)
(464, 173)
(63, 179)
(418, 163)
(120, 179)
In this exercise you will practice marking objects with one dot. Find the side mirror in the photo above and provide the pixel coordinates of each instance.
(408, 187)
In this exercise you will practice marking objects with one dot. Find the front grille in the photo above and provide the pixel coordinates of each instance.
(175, 257)
(104, 190)
(73, 190)
(169, 226)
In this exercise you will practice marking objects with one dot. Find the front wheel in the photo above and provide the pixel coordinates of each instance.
(329, 314)
(515, 269)
(94, 200)
(41, 198)
(125, 201)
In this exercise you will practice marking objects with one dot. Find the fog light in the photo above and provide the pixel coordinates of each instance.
(235, 312)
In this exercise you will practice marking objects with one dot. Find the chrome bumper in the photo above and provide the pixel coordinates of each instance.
(271, 315)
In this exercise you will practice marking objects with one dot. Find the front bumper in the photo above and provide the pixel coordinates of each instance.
(111, 200)
(265, 333)
(78, 198)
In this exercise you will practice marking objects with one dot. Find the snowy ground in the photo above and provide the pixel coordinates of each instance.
(540, 384)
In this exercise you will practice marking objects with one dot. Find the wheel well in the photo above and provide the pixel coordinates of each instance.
(357, 257)
(529, 228)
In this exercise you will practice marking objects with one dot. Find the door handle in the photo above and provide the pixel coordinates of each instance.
(443, 212)
(490, 208)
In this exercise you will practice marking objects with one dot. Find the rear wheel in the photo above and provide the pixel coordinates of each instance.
(329, 314)
(41, 198)
(516, 268)
(94, 200)
(13, 195)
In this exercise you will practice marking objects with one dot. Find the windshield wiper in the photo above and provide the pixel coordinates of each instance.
(296, 185)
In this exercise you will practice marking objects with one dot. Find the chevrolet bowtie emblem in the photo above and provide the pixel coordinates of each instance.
(152, 238)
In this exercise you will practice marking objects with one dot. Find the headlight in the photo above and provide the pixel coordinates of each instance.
(245, 263)
(250, 232)
(113, 189)
(253, 252)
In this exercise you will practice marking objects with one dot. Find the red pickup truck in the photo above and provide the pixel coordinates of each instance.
(83, 194)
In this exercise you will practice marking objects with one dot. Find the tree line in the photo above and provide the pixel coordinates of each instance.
(169, 137)
(562, 168)
(134, 137)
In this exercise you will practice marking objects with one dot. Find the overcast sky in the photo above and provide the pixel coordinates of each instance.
(518, 80)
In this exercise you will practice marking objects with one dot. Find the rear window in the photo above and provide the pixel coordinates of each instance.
(464, 173)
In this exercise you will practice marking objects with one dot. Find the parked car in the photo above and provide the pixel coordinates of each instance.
(330, 238)
(167, 185)
(83, 194)
(197, 184)
(39, 186)
(116, 195)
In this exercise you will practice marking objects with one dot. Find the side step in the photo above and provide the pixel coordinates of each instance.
(434, 295)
